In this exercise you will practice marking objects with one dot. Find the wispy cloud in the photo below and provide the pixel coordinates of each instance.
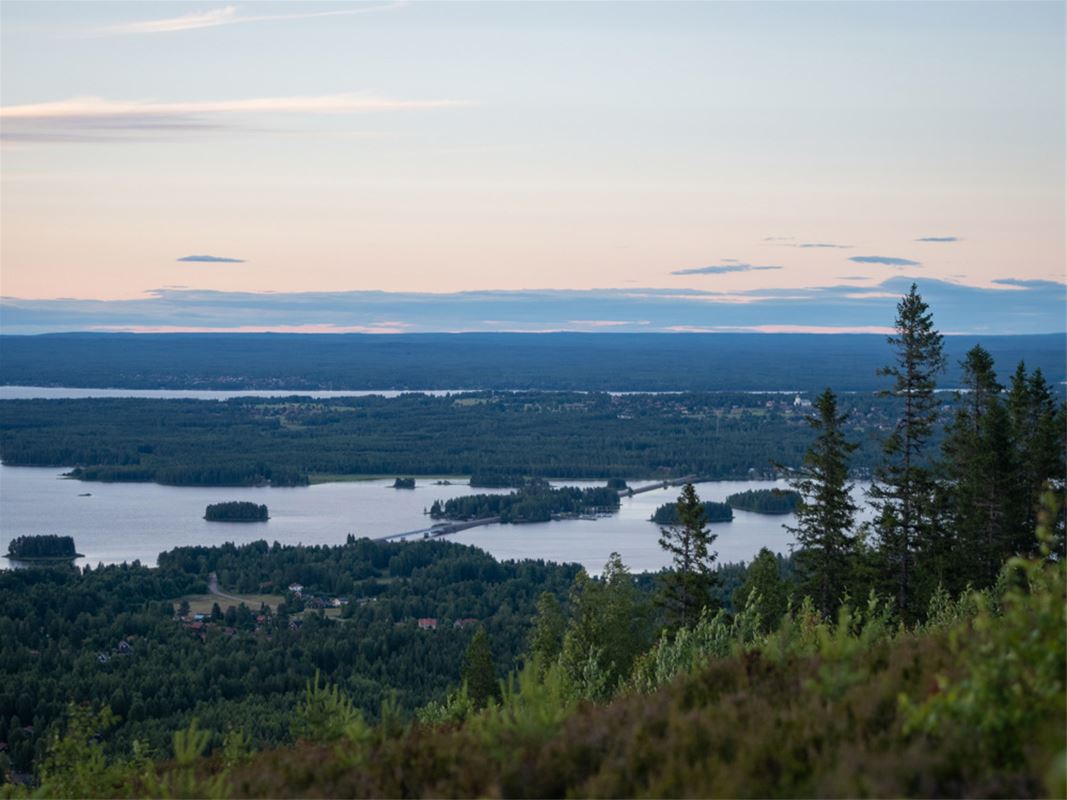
(229, 15)
(820, 246)
(889, 261)
(212, 260)
(606, 323)
(721, 269)
(95, 118)
(939, 239)
(97, 108)
(1023, 283)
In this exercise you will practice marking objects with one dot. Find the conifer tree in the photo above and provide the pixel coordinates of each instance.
(546, 639)
(826, 514)
(1037, 427)
(609, 627)
(903, 490)
(686, 590)
(763, 578)
(479, 672)
(980, 469)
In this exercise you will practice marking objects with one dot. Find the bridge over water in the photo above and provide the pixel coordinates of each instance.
(446, 528)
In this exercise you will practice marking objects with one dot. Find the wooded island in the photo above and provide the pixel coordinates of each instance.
(236, 511)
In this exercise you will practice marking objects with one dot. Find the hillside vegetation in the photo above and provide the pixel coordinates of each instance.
(969, 703)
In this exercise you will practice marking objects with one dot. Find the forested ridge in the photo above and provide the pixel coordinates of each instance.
(512, 361)
(498, 438)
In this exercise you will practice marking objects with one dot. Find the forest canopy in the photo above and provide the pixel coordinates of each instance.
(500, 439)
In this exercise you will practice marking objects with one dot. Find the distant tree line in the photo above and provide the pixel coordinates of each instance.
(502, 361)
(502, 440)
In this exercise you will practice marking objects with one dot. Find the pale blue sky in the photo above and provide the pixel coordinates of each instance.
(443, 147)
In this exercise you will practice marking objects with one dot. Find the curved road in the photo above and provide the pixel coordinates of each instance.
(213, 588)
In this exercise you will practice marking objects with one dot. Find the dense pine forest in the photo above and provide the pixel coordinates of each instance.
(921, 654)
(497, 438)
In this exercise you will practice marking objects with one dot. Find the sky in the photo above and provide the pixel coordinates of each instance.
(586, 166)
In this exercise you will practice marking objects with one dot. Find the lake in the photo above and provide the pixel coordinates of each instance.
(69, 393)
(136, 521)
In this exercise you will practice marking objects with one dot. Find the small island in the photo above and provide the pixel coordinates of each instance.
(765, 501)
(619, 484)
(538, 502)
(404, 483)
(667, 514)
(45, 547)
(236, 511)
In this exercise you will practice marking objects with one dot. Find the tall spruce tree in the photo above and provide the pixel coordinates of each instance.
(763, 578)
(903, 490)
(686, 589)
(1037, 426)
(546, 638)
(980, 469)
(826, 514)
(479, 672)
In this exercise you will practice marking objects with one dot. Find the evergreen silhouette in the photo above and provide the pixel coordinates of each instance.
(686, 589)
(903, 491)
(826, 513)
(479, 672)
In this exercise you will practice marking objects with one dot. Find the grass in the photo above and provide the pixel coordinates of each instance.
(202, 603)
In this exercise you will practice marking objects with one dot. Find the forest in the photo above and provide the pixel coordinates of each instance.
(498, 438)
(236, 511)
(535, 502)
(923, 653)
(472, 361)
(62, 633)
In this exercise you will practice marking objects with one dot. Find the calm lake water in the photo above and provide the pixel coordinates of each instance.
(65, 393)
(127, 521)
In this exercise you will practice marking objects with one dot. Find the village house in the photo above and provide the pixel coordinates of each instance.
(428, 623)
